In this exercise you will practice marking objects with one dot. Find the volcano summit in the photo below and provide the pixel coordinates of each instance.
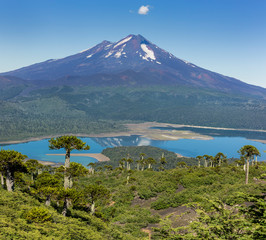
(133, 60)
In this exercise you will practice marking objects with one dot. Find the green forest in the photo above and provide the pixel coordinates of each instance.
(204, 198)
(28, 112)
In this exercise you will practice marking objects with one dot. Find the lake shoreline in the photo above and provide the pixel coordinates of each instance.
(144, 130)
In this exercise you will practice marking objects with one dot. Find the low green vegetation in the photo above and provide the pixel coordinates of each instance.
(120, 155)
(126, 202)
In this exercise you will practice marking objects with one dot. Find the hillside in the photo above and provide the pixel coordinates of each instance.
(172, 204)
(86, 110)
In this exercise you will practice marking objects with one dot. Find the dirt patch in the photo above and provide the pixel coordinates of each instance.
(147, 231)
(180, 216)
(143, 202)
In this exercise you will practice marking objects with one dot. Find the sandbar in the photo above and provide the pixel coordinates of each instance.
(100, 157)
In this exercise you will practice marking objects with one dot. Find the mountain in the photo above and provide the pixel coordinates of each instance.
(133, 60)
(99, 89)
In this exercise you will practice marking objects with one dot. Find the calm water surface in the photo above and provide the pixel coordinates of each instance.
(185, 147)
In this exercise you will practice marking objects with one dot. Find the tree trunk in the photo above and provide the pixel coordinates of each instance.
(137, 167)
(65, 206)
(9, 181)
(2, 180)
(199, 163)
(205, 163)
(247, 171)
(256, 161)
(220, 162)
(48, 200)
(149, 166)
(92, 208)
(67, 165)
(67, 181)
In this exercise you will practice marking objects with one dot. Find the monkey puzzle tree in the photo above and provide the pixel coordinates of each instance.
(248, 152)
(74, 171)
(2, 179)
(94, 193)
(69, 143)
(142, 161)
(150, 161)
(122, 163)
(33, 166)
(206, 159)
(47, 185)
(199, 159)
(10, 162)
(92, 166)
(162, 161)
(129, 161)
(219, 158)
(182, 165)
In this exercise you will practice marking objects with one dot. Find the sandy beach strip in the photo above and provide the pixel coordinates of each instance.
(48, 163)
(100, 157)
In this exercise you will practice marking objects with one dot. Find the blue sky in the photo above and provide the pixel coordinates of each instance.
(225, 36)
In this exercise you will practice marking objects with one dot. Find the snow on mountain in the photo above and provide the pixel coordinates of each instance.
(149, 53)
(123, 41)
(132, 60)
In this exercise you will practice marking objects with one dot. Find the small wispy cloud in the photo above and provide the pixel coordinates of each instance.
(144, 10)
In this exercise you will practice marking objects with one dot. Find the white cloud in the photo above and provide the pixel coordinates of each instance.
(143, 10)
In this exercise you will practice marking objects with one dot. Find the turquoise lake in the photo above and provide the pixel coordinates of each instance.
(229, 145)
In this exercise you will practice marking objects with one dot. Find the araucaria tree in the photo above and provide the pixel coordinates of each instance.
(95, 193)
(219, 159)
(10, 162)
(199, 158)
(69, 143)
(248, 152)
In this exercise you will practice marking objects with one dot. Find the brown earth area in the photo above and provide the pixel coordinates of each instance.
(179, 216)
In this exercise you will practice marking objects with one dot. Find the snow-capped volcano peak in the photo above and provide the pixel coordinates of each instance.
(134, 52)
(123, 41)
(131, 60)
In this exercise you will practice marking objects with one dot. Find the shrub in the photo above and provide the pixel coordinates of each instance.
(38, 215)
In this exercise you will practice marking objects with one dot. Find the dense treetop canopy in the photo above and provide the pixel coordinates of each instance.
(69, 143)
(11, 160)
(249, 151)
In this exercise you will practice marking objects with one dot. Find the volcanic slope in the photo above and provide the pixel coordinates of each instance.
(132, 79)
(133, 60)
